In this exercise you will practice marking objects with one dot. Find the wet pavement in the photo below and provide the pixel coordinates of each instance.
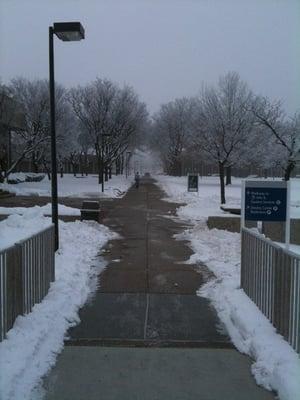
(145, 334)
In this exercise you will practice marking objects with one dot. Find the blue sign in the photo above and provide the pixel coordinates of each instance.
(265, 203)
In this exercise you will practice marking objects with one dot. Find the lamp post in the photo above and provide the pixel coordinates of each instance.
(67, 32)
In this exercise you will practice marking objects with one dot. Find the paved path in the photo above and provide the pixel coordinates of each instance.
(145, 334)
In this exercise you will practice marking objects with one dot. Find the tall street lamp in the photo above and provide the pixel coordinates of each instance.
(68, 32)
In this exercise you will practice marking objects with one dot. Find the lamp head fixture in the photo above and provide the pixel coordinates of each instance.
(68, 31)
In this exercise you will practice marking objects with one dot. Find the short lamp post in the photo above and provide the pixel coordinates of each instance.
(68, 32)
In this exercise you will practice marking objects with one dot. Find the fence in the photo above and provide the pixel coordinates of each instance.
(26, 270)
(270, 276)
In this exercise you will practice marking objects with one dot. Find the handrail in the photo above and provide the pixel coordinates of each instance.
(270, 276)
(26, 270)
(261, 236)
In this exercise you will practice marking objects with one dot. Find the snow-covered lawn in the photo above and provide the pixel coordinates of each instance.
(46, 210)
(86, 186)
(36, 339)
(207, 201)
(276, 365)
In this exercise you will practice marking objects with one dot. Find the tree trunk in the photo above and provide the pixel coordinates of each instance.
(122, 164)
(178, 168)
(118, 166)
(48, 171)
(228, 175)
(100, 174)
(86, 164)
(74, 169)
(106, 173)
(289, 170)
(35, 167)
(222, 183)
(109, 172)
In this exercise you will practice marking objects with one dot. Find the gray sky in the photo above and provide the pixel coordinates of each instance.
(163, 48)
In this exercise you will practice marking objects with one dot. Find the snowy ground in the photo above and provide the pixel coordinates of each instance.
(207, 201)
(276, 365)
(86, 186)
(36, 339)
(17, 227)
(46, 210)
(24, 222)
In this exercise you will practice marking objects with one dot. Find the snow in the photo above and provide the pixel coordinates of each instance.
(276, 366)
(32, 346)
(46, 210)
(293, 248)
(27, 176)
(86, 186)
(17, 227)
(20, 176)
(207, 201)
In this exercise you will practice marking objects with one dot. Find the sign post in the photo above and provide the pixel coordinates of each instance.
(193, 182)
(266, 201)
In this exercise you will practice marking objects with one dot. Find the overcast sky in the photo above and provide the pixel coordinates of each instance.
(163, 48)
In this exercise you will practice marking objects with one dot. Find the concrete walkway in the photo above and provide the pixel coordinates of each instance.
(145, 334)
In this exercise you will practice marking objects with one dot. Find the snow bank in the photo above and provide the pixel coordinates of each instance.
(36, 339)
(45, 210)
(19, 177)
(86, 186)
(276, 365)
(18, 227)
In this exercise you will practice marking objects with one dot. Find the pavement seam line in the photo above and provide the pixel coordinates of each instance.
(147, 266)
(146, 315)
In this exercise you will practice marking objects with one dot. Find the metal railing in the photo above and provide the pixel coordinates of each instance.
(26, 270)
(270, 276)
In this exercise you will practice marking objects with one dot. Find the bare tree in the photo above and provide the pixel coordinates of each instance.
(110, 116)
(34, 100)
(11, 119)
(170, 132)
(223, 127)
(33, 142)
(271, 116)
